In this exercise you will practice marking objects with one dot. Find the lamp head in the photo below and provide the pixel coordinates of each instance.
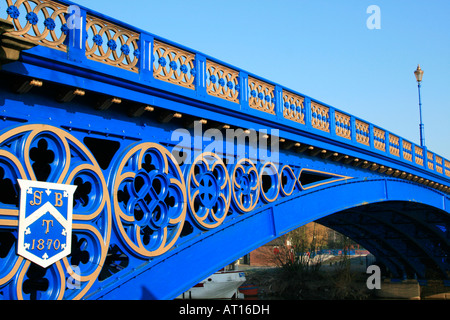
(418, 73)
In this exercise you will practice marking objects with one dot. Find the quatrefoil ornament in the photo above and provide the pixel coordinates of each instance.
(245, 185)
(43, 154)
(149, 199)
(208, 190)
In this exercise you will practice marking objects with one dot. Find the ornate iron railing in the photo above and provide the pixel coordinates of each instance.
(49, 23)
(42, 21)
(173, 65)
(116, 228)
(111, 44)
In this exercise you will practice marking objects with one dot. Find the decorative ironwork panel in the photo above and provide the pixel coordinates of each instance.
(418, 155)
(49, 154)
(439, 165)
(447, 167)
(293, 107)
(209, 190)
(379, 137)
(270, 182)
(430, 160)
(343, 125)
(362, 132)
(149, 199)
(262, 95)
(289, 180)
(173, 65)
(245, 185)
(320, 116)
(112, 44)
(42, 21)
(394, 145)
(222, 82)
(407, 150)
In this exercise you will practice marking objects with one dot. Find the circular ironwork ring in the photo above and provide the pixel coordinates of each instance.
(245, 185)
(208, 186)
(270, 182)
(149, 199)
(49, 154)
(288, 181)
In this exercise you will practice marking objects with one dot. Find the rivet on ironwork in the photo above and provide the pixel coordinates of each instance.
(162, 61)
(13, 12)
(125, 49)
(98, 40)
(65, 29)
(137, 53)
(173, 65)
(112, 45)
(49, 23)
(32, 18)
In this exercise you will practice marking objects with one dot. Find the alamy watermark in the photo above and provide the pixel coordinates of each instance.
(232, 144)
(74, 20)
(374, 20)
(374, 280)
(73, 281)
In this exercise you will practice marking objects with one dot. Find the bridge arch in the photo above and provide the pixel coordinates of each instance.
(98, 108)
(383, 213)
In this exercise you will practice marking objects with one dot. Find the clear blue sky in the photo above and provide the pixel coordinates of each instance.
(324, 49)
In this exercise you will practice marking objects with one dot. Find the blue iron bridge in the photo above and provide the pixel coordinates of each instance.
(182, 164)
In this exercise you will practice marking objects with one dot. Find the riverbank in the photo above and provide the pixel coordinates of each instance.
(332, 281)
(337, 279)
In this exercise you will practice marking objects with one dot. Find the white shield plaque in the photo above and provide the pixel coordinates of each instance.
(45, 221)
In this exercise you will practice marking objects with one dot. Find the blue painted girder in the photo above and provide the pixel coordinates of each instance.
(100, 130)
(236, 238)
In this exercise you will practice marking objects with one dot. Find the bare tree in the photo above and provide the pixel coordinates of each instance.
(296, 252)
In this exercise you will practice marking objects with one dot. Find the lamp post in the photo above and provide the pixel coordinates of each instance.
(419, 74)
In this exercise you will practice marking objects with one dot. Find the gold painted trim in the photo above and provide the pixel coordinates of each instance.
(234, 184)
(267, 90)
(13, 271)
(139, 152)
(294, 177)
(278, 182)
(225, 187)
(32, 32)
(114, 32)
(362, 127)
(298, 102)
(381, 135)
(324, 112)
(346, 120)
(317, 184)
(177, 55)
(22, 272)
(28, 133)
(227, 74)
(394, 145)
